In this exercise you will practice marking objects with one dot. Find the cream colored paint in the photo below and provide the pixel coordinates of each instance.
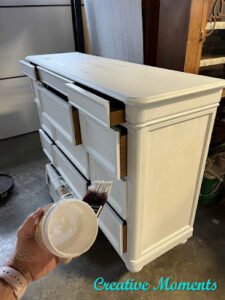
(174, 157)
(170, 117)
(131, 83)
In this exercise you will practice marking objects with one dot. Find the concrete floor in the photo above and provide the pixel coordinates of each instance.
(201, 258)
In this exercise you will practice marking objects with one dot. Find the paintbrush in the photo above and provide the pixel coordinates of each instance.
(97, 195)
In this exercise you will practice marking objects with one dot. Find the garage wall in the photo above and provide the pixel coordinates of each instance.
(41, 28)
(114, 29)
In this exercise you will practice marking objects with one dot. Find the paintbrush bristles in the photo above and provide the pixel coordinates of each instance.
(101, 186)
(93, 197)
(97, 195)
(95, 200)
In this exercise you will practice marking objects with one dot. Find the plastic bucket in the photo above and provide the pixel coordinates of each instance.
(68, 228)
(213, 179)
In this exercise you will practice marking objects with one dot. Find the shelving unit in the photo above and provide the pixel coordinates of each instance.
(217, 26)
(212, 60)
(212, 63)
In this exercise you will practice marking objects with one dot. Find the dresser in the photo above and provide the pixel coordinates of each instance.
(147, 129)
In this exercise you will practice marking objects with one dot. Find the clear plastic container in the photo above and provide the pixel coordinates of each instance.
(67, 229)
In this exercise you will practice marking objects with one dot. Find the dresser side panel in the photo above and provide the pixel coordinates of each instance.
(174, 159)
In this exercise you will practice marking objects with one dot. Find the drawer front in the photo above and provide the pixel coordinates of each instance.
(39, 109)
(46, 144)
(114, 228)
(55, 196)
(49, 181)
(117, 197)
(53, 80)
(60, 114)
(28, 69)
(73, 178)
(104, 144)
(34, 84)
(45, 123)
(77, 154)
(47, 126)
(108, 113)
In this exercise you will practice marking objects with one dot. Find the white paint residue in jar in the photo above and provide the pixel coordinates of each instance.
(63, 227)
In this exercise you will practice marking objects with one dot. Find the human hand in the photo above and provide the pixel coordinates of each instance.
(32, 261)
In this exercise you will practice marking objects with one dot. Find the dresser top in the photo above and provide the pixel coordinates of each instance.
(129, 82)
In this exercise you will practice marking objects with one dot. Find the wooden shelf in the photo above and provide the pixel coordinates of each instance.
(218, 26)
(212, 60)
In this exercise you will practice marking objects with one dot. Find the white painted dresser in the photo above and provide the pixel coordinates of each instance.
(146, 128)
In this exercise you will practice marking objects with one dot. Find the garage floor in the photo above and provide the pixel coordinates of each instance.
(200, 259)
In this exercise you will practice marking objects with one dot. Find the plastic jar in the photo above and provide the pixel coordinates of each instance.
(67, 229)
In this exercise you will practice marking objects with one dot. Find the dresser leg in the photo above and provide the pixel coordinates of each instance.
(184, 242)
(134, 268)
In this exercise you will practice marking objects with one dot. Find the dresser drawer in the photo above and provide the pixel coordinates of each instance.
(114, 228)
(50, 178)
(117, 196)
(28, 69)
(72, 176)
(77, 154)
(38, 108)
(107, 111)
(47, 144)
(47, 126)
(60, 114)
(34, 84)
(45, 123)
(52, 79)
(107, 145)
